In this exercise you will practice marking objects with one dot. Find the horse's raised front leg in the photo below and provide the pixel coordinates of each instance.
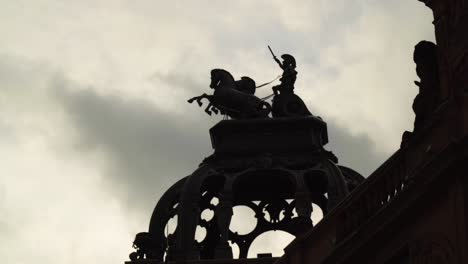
(200, 103)
(199, 98)
(191, 99)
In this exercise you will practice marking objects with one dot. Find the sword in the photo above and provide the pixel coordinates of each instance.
(274, 56)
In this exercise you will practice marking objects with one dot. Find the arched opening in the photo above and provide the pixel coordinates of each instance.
(235, 250)
(243, 220)
(171, 226)
(317, 214)
(207, 215)
(200, 234)
(272, 242)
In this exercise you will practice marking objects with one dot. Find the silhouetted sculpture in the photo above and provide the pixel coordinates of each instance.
(144, 245)
(285, 102)
(277, 167)
(246, 85)
(425, 57)
(233, 98)
(256, 164)
(424, 104)
(289, 74)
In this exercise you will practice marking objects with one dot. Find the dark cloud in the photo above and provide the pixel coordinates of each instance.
(150, 149)
(358, 152)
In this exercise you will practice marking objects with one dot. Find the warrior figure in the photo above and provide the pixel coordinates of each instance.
(289, 74)
(285, 102)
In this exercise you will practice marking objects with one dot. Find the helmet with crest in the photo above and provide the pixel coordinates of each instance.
(289, 60)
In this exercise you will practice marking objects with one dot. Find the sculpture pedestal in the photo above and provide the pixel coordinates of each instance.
(269, 135)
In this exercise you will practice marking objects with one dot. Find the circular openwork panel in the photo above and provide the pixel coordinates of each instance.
(270, 242)
(243, 220)
(317, 214)
(207, 215)
(200, 234)
(171, 226)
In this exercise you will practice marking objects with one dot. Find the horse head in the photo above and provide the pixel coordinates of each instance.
(246, 85)
(220, 77)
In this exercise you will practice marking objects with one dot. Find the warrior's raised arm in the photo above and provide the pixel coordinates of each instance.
(279, 63)
(275, 58)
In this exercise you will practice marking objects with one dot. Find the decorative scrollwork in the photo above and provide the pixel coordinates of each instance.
(280, 217)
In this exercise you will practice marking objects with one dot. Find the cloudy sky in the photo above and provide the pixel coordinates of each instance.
(94, 124)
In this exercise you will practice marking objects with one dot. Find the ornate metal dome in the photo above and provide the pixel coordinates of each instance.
(277, 167)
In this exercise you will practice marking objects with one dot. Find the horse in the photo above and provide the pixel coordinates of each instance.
(246, 85)
(230, 100)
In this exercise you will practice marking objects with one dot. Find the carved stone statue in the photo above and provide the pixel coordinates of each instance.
(424, 104)
(233, 98)
(425, 57)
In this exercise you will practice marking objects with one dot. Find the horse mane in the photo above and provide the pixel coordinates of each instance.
(246, 85)
(222, 72)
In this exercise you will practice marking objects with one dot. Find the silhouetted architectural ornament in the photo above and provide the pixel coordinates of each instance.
(143, 244)
(425, 57)
(285, 102)
(276, 167)
(246, 85)
(233, 98)
(288, 78)
(236, 98)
